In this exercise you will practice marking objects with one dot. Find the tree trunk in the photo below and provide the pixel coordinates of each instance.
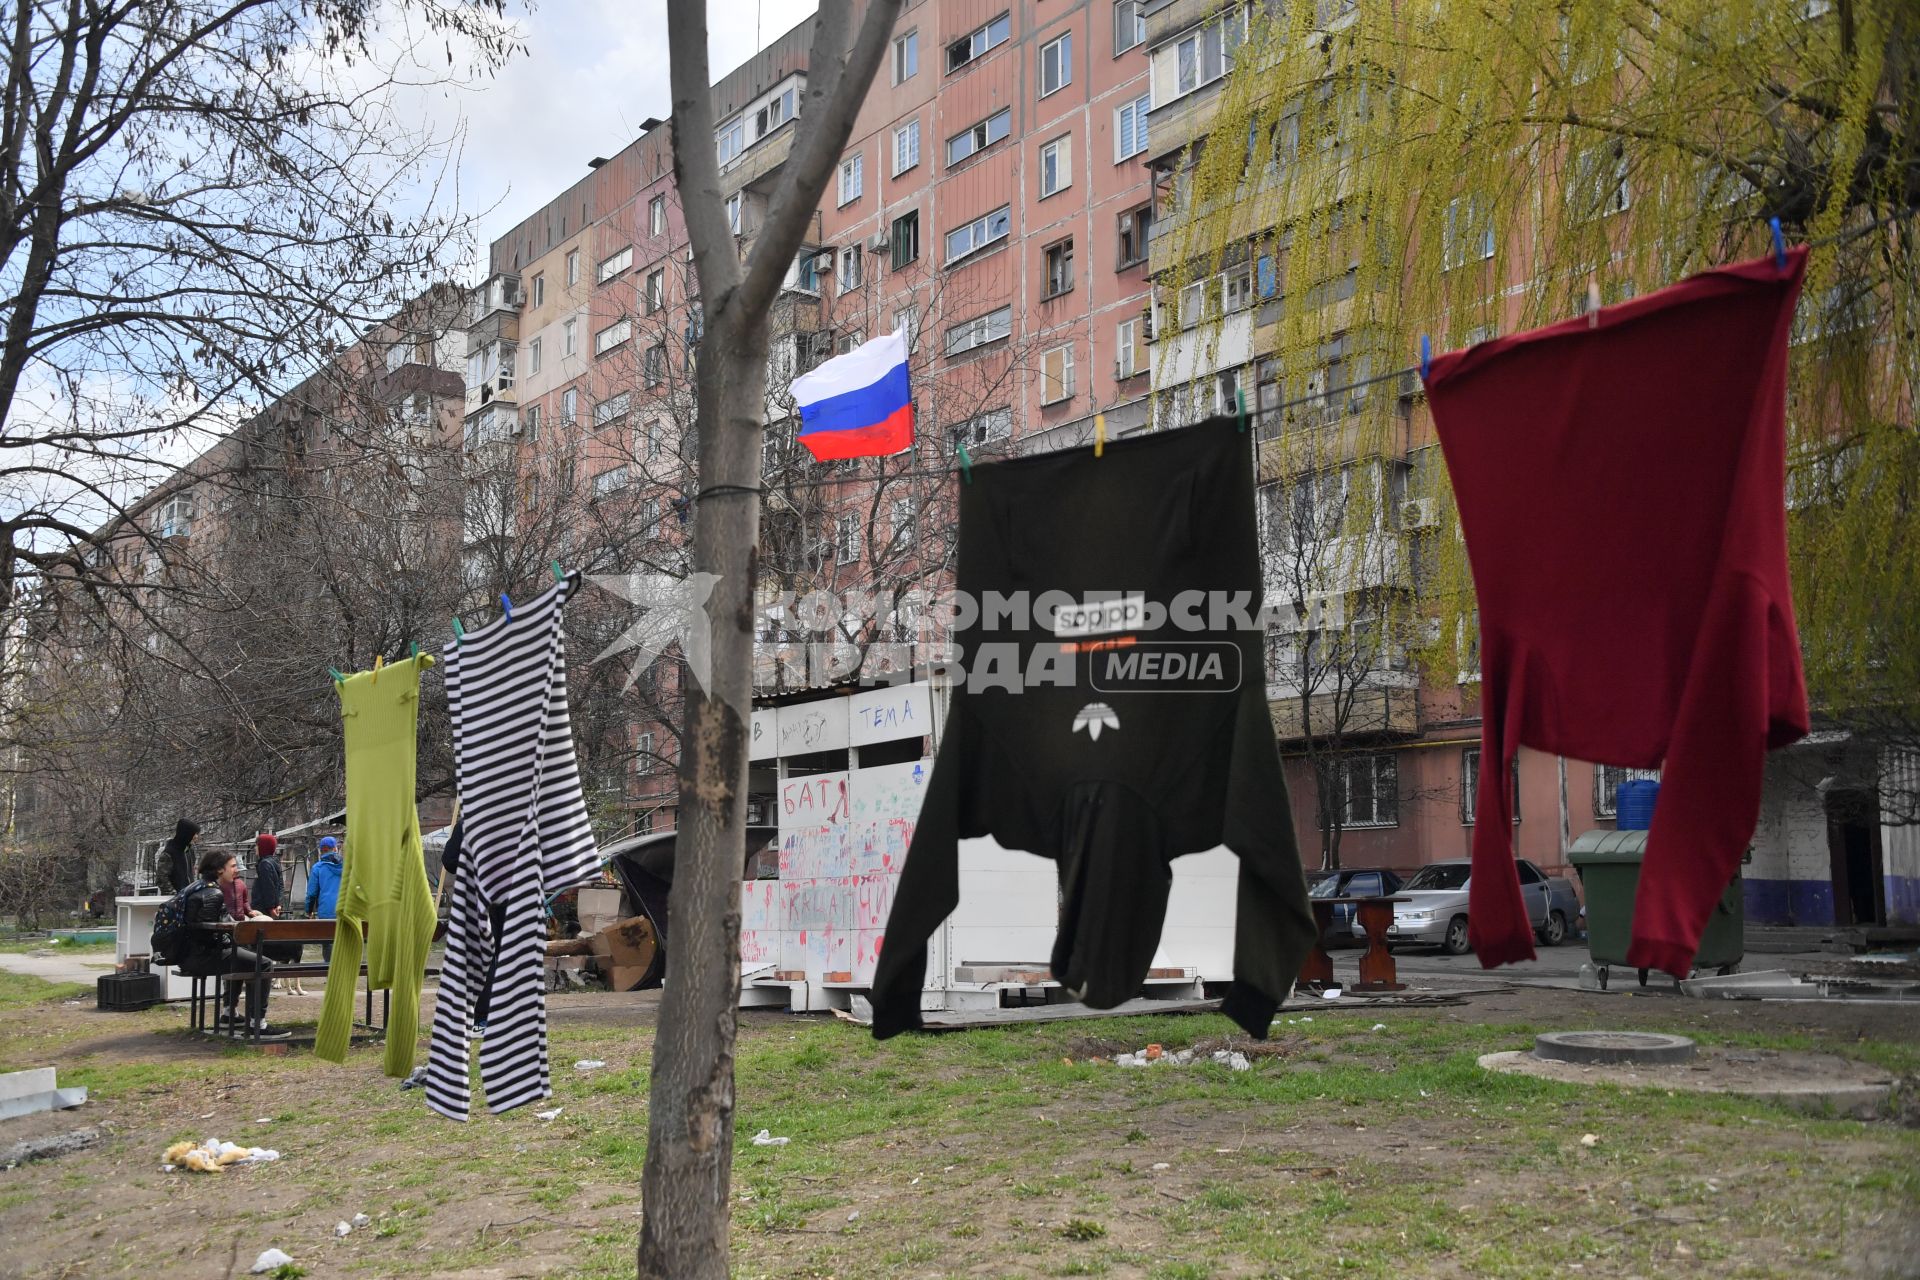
(690, 1127)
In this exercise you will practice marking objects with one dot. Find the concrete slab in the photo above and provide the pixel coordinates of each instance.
(1810, 1081)
(53, 967)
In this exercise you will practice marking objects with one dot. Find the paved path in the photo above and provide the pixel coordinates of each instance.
(82, 968)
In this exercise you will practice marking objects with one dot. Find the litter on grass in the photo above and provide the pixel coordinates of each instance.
(765, 1138)
(212, 1156)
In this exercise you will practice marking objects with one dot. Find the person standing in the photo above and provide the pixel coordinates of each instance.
(270, 894)
(207, 953)
(323, 887)
(175, 871)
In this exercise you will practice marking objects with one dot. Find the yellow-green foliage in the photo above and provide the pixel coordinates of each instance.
(1465, 169)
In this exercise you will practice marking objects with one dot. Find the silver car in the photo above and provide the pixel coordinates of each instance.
(1435, 913)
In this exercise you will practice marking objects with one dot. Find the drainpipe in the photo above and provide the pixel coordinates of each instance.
(1565, 832)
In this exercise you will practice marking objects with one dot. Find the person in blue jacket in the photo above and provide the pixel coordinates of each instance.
(323, 887)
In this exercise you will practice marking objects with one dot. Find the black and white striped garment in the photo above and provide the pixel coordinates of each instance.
(525, 837)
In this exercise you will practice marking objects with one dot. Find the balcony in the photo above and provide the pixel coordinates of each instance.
(1369, 713)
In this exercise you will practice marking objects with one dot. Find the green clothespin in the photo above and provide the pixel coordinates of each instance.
(1240, 398)
(337, 677)
(459, 632)
(559, 575)
(414, 649)
(966, 463)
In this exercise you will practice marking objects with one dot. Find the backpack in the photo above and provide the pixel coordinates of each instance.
(171, 939)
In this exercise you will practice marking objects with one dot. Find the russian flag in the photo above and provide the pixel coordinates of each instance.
(858, 405)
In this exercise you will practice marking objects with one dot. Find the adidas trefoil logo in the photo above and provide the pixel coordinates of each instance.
(1094, 717)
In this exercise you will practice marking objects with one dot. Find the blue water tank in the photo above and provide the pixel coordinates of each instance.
(1633, 803)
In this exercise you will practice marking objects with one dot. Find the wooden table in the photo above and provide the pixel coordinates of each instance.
(1377, 971)
(256, 934)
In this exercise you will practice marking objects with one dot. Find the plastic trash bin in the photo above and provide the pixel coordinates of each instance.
(1608, 863)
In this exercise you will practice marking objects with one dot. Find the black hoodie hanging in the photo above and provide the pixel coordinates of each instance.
(1149, 739)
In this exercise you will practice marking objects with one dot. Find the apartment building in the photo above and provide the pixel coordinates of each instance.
(991, 202)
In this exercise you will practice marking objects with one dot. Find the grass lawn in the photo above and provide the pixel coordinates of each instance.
(1346, 1150)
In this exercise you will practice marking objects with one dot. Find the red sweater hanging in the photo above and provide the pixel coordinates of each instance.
(1621, 491)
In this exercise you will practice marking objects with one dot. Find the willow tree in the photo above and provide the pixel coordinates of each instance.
(1467, 169)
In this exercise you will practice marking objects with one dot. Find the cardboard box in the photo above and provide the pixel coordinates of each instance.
(625, 977)
(629, 942)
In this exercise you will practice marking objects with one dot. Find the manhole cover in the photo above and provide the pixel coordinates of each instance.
(1612, 1046)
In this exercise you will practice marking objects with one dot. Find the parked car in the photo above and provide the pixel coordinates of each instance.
(1436, 914)
(1350, 882)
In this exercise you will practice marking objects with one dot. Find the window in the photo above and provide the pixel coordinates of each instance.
(850, 268)
(1204, 54)
(176, 517)
(612, 480)
(805, 275)
(656, 290)
(979, 137)
(1130, 128)
(846, 540)
(1599, 184)
(1129, 25)
(612, 336)
(655, 366)
(1193, 303)
(1369, 790)
(1056, 166)
(985, 428)
(1059, 264)
(1130, 348)
(849, 340)
(1470, 785)
(773, 115)
(569, 337)
(643, 757)
(730, 140)
(1056, 64)
(733, 213)
(646, 441)
(906, 56)
(531, 416)
(533, 356)
(650, 518)
(1056, 375)
(1135, 227)
(612, 409)
(613, 266)
(907, 320)
(1606, 787)
(540, 290)
(976, 43)
(852, 178)
(906, 146)
(1466, 235)
(979, 331)
(573, 268)
(657, 215)
(1267, 386)
(901, 519)
(978, 234)
(570, 405)
(1236, 289)
(906, 239)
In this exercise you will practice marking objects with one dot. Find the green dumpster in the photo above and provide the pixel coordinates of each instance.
(1609, 867)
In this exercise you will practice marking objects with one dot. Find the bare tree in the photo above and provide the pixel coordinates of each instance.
(690, 1130)
(197, 208)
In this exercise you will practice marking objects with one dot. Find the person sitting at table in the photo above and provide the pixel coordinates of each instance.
(208, 952)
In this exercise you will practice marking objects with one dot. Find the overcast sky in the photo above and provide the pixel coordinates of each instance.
(594, 69)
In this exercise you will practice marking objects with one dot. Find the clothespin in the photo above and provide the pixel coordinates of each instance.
(506, 606)
(459, 632)
(1779, 244)
(1426, 356)
(1099, 434)
(1593, 304)
(413, 649)
(966, 463)
(379, 660)
(558, 575)
(1240, 399)
(337, 677)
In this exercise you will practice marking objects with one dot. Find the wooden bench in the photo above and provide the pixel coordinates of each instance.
(257, 934)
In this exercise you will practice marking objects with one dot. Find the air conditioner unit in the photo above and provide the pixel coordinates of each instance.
(1418, 513)
(880, 242)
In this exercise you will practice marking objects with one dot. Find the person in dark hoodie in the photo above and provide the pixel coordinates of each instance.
(176, 857)
(270, 894)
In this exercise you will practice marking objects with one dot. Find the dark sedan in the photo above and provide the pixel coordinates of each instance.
(1350, 882)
